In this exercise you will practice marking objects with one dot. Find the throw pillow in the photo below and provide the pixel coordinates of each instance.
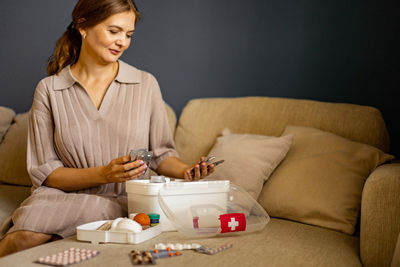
(6, 118)
(321, 179)
(249, 159)
(13, 168)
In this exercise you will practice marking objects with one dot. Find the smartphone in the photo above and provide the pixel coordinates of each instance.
(208, 166)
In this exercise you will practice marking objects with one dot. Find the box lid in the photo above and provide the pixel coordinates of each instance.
(176, 187)
(211, 209)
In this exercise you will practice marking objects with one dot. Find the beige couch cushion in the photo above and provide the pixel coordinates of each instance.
(202, 120)
(321, 179)
(13, 168)
(6, 117)
(380, 216)
(249, 159)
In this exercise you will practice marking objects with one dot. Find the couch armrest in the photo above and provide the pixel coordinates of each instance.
(380, 215)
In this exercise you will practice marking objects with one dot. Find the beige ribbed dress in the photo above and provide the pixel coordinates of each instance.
(66, 129)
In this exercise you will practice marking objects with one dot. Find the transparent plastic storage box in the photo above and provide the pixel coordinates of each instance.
(208, 215)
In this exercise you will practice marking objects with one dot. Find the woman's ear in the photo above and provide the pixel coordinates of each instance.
(83, 33)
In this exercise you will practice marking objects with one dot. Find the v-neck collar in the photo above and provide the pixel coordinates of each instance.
(126, 74)
(89, 106)
(105, 103)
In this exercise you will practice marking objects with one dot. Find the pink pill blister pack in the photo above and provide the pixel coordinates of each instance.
(68, 257)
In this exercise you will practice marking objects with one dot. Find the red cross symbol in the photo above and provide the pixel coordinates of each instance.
(232, 222)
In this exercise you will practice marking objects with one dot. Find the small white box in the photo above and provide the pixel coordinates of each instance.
(143, 196)
(89, 232)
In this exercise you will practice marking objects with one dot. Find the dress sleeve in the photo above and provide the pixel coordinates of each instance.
(42, 159)
(161, 139)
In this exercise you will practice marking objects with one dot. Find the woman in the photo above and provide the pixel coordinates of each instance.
(86, 116)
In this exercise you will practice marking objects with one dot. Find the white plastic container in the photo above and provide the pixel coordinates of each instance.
(89, 232)
(208, 213)
(143, 196)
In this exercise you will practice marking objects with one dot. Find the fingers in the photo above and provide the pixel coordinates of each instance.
(122, 169)
(197, 173)
(122, 160)
(134, 173)
(130, 174)
(203, 167)
(134, 169)
(125, 167)
(188, 175)
(210, 169)
(199, 170)
(133, 165)
(192, 173)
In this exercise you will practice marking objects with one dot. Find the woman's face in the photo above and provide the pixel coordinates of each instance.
(110, 38)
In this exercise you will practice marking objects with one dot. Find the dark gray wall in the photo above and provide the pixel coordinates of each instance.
(338, 51)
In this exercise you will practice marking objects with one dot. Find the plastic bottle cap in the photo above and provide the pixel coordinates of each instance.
(154, 216)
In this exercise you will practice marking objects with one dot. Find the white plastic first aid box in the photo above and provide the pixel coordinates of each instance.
(143, 196)
(201, 208)
(90, 232)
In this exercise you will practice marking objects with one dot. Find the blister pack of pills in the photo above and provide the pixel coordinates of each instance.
(68, 257)
(212, 251)
(149, 257)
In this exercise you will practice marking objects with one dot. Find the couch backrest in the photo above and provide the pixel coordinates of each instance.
(202, 120)
(13, 152)
(6, 117)
(13, 168)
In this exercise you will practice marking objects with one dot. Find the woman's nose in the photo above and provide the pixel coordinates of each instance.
(121, 41)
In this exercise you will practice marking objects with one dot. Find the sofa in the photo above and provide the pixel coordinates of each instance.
(290, 238)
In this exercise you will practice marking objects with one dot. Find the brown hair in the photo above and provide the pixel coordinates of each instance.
(86, 14)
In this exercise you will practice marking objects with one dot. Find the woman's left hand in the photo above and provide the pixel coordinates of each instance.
(199, 170)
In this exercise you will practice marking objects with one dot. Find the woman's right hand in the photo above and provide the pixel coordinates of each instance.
(121, 170)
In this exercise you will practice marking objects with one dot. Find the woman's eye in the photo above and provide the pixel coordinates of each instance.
(114, 32)
(129, 36)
